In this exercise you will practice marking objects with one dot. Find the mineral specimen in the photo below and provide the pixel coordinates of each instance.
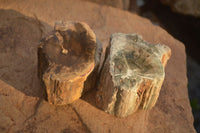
(65, 59)
(132, 74)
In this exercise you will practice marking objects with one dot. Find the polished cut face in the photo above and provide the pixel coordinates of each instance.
(70, 47)
(134, 59)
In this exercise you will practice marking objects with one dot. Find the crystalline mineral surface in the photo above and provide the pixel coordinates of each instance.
(132, 74)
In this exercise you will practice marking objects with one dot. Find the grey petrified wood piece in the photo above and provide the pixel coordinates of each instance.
(132, 74)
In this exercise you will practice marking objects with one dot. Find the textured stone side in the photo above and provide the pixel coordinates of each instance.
(92, 79)
(65, 59)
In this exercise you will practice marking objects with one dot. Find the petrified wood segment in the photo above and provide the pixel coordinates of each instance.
(92, 79)
(65, 59)
(132, 74)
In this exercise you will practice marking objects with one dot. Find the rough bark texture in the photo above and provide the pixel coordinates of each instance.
(65, 59)
(132, 75)
(187, 7)
(92, 79)
(23, 24)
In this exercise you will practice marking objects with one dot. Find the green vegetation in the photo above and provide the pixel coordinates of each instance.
(195, 104)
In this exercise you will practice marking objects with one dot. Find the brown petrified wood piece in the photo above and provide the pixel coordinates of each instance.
(92, 78)
(132, 74)
(65, 59)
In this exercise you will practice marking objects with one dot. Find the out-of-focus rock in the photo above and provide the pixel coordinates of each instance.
(122, 4)
(135, 5)
(126, 4)
(187, 7)
(193, 74)
(132, 75)
(65, 59)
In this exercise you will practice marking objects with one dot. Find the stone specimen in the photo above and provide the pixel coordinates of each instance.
(186, 7)
(65, 59)
(132, 74)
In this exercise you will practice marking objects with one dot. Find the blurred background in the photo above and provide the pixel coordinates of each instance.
(180, 18)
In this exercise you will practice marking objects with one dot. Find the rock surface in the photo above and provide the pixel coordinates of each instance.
(65, 59)
(132, 74)
(122, 4)
(23, 24)
(187, 7)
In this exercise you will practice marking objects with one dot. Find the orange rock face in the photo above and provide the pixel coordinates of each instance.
(65, 59)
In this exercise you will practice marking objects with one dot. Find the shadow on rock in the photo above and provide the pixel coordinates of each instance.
(19, 38)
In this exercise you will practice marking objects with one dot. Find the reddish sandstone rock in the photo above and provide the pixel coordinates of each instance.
(21, 111)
